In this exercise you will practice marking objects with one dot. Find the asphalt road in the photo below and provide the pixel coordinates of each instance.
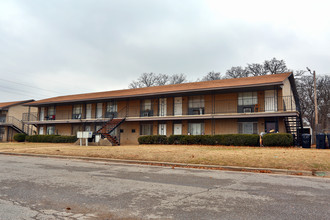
(48, 188)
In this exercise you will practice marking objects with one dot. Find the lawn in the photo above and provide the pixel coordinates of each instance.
(275, 157)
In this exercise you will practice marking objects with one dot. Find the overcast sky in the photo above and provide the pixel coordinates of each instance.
(58, 47)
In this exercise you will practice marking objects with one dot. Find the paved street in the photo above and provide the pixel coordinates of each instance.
(48, 188)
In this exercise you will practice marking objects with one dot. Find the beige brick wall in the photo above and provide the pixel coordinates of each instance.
(63, 112)
(226, 126)
(63, 129)
(18, 110)
(170, 106)
(128, 137)
(226, 103)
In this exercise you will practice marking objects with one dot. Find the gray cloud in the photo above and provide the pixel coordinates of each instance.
(85, 46)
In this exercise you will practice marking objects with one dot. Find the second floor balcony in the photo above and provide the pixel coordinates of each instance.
(161, 110)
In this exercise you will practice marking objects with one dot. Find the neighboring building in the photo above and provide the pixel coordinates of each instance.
(243, 105)
(11, 123)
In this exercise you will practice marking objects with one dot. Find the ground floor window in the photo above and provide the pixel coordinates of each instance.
(146, 129)
(2, 133)
(51, 130)
(162, 129)
(41, 130)
(196, 128)
(248, 127)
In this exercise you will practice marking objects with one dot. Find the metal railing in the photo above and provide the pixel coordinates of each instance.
(242, 105)
(12, 121)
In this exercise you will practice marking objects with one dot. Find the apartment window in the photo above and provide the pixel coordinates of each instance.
(111, 109)
(51, 130)
(146, 129)
(196, 128)
(247, 98)
(248, 127)
(2, 118)
(41, 130)
(146, 108)
(51, 113)
(196, 105)
(76, 112)
(2, 133)
(162, 129)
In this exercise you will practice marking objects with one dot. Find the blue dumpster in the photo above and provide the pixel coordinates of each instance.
(306, 140)
(320, 141)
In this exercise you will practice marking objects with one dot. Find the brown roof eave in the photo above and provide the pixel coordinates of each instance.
(153, 94)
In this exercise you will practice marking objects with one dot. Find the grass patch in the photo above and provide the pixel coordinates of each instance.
(274, 157)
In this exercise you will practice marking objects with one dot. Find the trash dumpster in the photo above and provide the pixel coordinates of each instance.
(328, 136)
(306, 140)
(320, 141)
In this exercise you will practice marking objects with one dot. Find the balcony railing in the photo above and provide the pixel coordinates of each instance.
(12, 121)
(243, 106)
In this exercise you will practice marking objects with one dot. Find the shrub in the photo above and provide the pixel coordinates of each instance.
(225, 139)
(19, 137)
(153, 139)
(278, 139)
(51, 139)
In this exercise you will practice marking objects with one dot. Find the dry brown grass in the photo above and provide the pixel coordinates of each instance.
(282, 158)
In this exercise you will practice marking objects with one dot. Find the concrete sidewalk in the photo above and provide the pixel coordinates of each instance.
(184, 165)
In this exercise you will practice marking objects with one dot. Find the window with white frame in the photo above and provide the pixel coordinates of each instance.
(112, 106)
(248, 127)
(146, 129)
(146, 108)
(50, 129)
(196, 105)
(247, 98)
(162, 129)
(76, 111)
(196, 128)
(51, 113)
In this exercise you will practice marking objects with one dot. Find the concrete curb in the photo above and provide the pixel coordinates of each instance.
(183, 165)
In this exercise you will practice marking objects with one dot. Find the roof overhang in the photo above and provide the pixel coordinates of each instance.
(170, 93)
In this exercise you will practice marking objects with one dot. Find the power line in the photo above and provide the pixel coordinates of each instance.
(24, 92)
(31, 86)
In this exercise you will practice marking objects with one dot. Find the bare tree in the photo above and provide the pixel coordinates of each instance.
(211, 76)
(237, 72)
(256, 69)
(145, 80)
(162, 79)
(152, 79)
(275, 66)
(306, 97)
(178, 78)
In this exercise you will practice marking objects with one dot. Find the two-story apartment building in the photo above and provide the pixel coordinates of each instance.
(11, 123)
(243, 105)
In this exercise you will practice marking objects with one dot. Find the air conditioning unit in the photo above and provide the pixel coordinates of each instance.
(247, 110)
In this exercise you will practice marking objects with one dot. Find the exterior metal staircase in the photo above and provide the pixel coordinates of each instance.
(109, 127)
(17, 125)
(293, 125)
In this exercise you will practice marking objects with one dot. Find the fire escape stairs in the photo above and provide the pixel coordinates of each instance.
(109, 127)
(293, 124)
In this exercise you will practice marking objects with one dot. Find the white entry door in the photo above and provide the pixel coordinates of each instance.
(177, 129)
(270, 101)
(178, 106)
(162, 106)
(42, 114)
(41, 130)
(99, 110)
(88, 111)
(162, 129)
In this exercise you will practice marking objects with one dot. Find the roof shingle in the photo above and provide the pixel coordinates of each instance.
(185, 87)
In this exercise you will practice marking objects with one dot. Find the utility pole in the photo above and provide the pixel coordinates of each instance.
(315, 101)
